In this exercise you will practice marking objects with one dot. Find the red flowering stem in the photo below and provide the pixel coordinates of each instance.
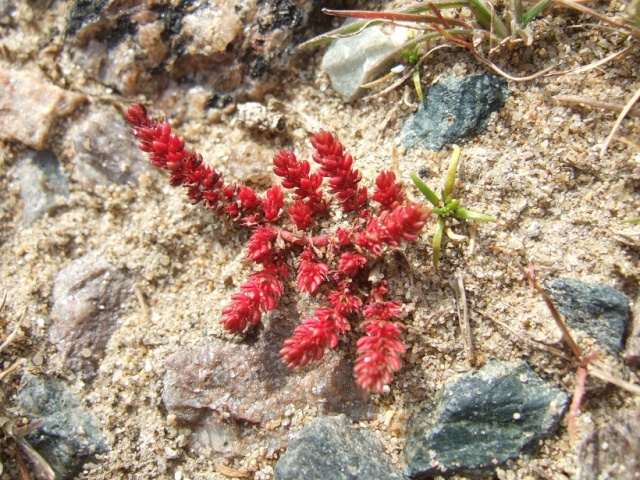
(388, 193)
(167, 151)
(378, 352)
(311, 273)
(257, 295)
(337, 166)
(313, 337)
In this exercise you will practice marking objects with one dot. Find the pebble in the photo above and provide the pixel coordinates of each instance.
(106, 152)
(70, 435)
(44, 189)
(353, 61)
(87, 295)
(330, 448)
(31, 107)
(598, 310)
(454, 109)
(480, 420)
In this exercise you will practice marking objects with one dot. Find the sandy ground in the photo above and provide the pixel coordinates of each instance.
(536, 168)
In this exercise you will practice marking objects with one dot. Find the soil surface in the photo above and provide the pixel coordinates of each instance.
(536, 168)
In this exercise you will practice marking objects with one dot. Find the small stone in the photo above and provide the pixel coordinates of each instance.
(454, 109)
(86, 298)
(330, 448)
(612, 451)
(106, 152)
(599, 310)
(38, 359)
(70, 435)
(481, 419)
(43, 187)
(32, 107)
(353, 61)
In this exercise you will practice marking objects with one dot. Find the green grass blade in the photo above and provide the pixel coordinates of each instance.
(451, 173)
(487, 19)
(426, 191)
(471, 215)
(533, 12)
(437, 242)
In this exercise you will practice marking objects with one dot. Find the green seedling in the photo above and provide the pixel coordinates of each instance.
(412, 55)
(446, 205)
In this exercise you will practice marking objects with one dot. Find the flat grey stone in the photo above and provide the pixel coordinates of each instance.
(454, 109)
(599, 310)
(106, 152)
(331, 449)
(70, 435)
(43, 187)
(353, 61)
(481, 419)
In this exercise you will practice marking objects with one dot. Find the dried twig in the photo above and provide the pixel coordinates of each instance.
(619, 120)
(593, 65)
(575, 100)
(534, 343)
(10, 338)
(463, 318)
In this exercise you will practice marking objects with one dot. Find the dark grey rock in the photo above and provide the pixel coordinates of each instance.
(248, 382)
(482, 419)
(632, 353)
(70, 435)
(106, 152)
(612, 451)
(87, 295)
(331, 449)
(599, 310)
(43, 187)
(454, 109)
(353, 61)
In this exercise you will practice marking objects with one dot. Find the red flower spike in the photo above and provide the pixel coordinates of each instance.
(344, 300)
(259, 245)
(336, 166)
(257, 295)
(405, 223)
(378, 355)
(351, 263)
(388, 193)
(300, 215)
(248, 198)
(313, 337)
(311, 273)
(272, 203)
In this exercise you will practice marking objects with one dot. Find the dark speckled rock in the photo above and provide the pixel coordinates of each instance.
(331, 449)
(454, 109)
(482, 419)
(599, 310)
(70, 435)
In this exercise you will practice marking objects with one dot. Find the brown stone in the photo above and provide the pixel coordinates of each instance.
(31, 107)
(87, 295)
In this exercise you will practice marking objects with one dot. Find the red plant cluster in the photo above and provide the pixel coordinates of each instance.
(333, 263)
